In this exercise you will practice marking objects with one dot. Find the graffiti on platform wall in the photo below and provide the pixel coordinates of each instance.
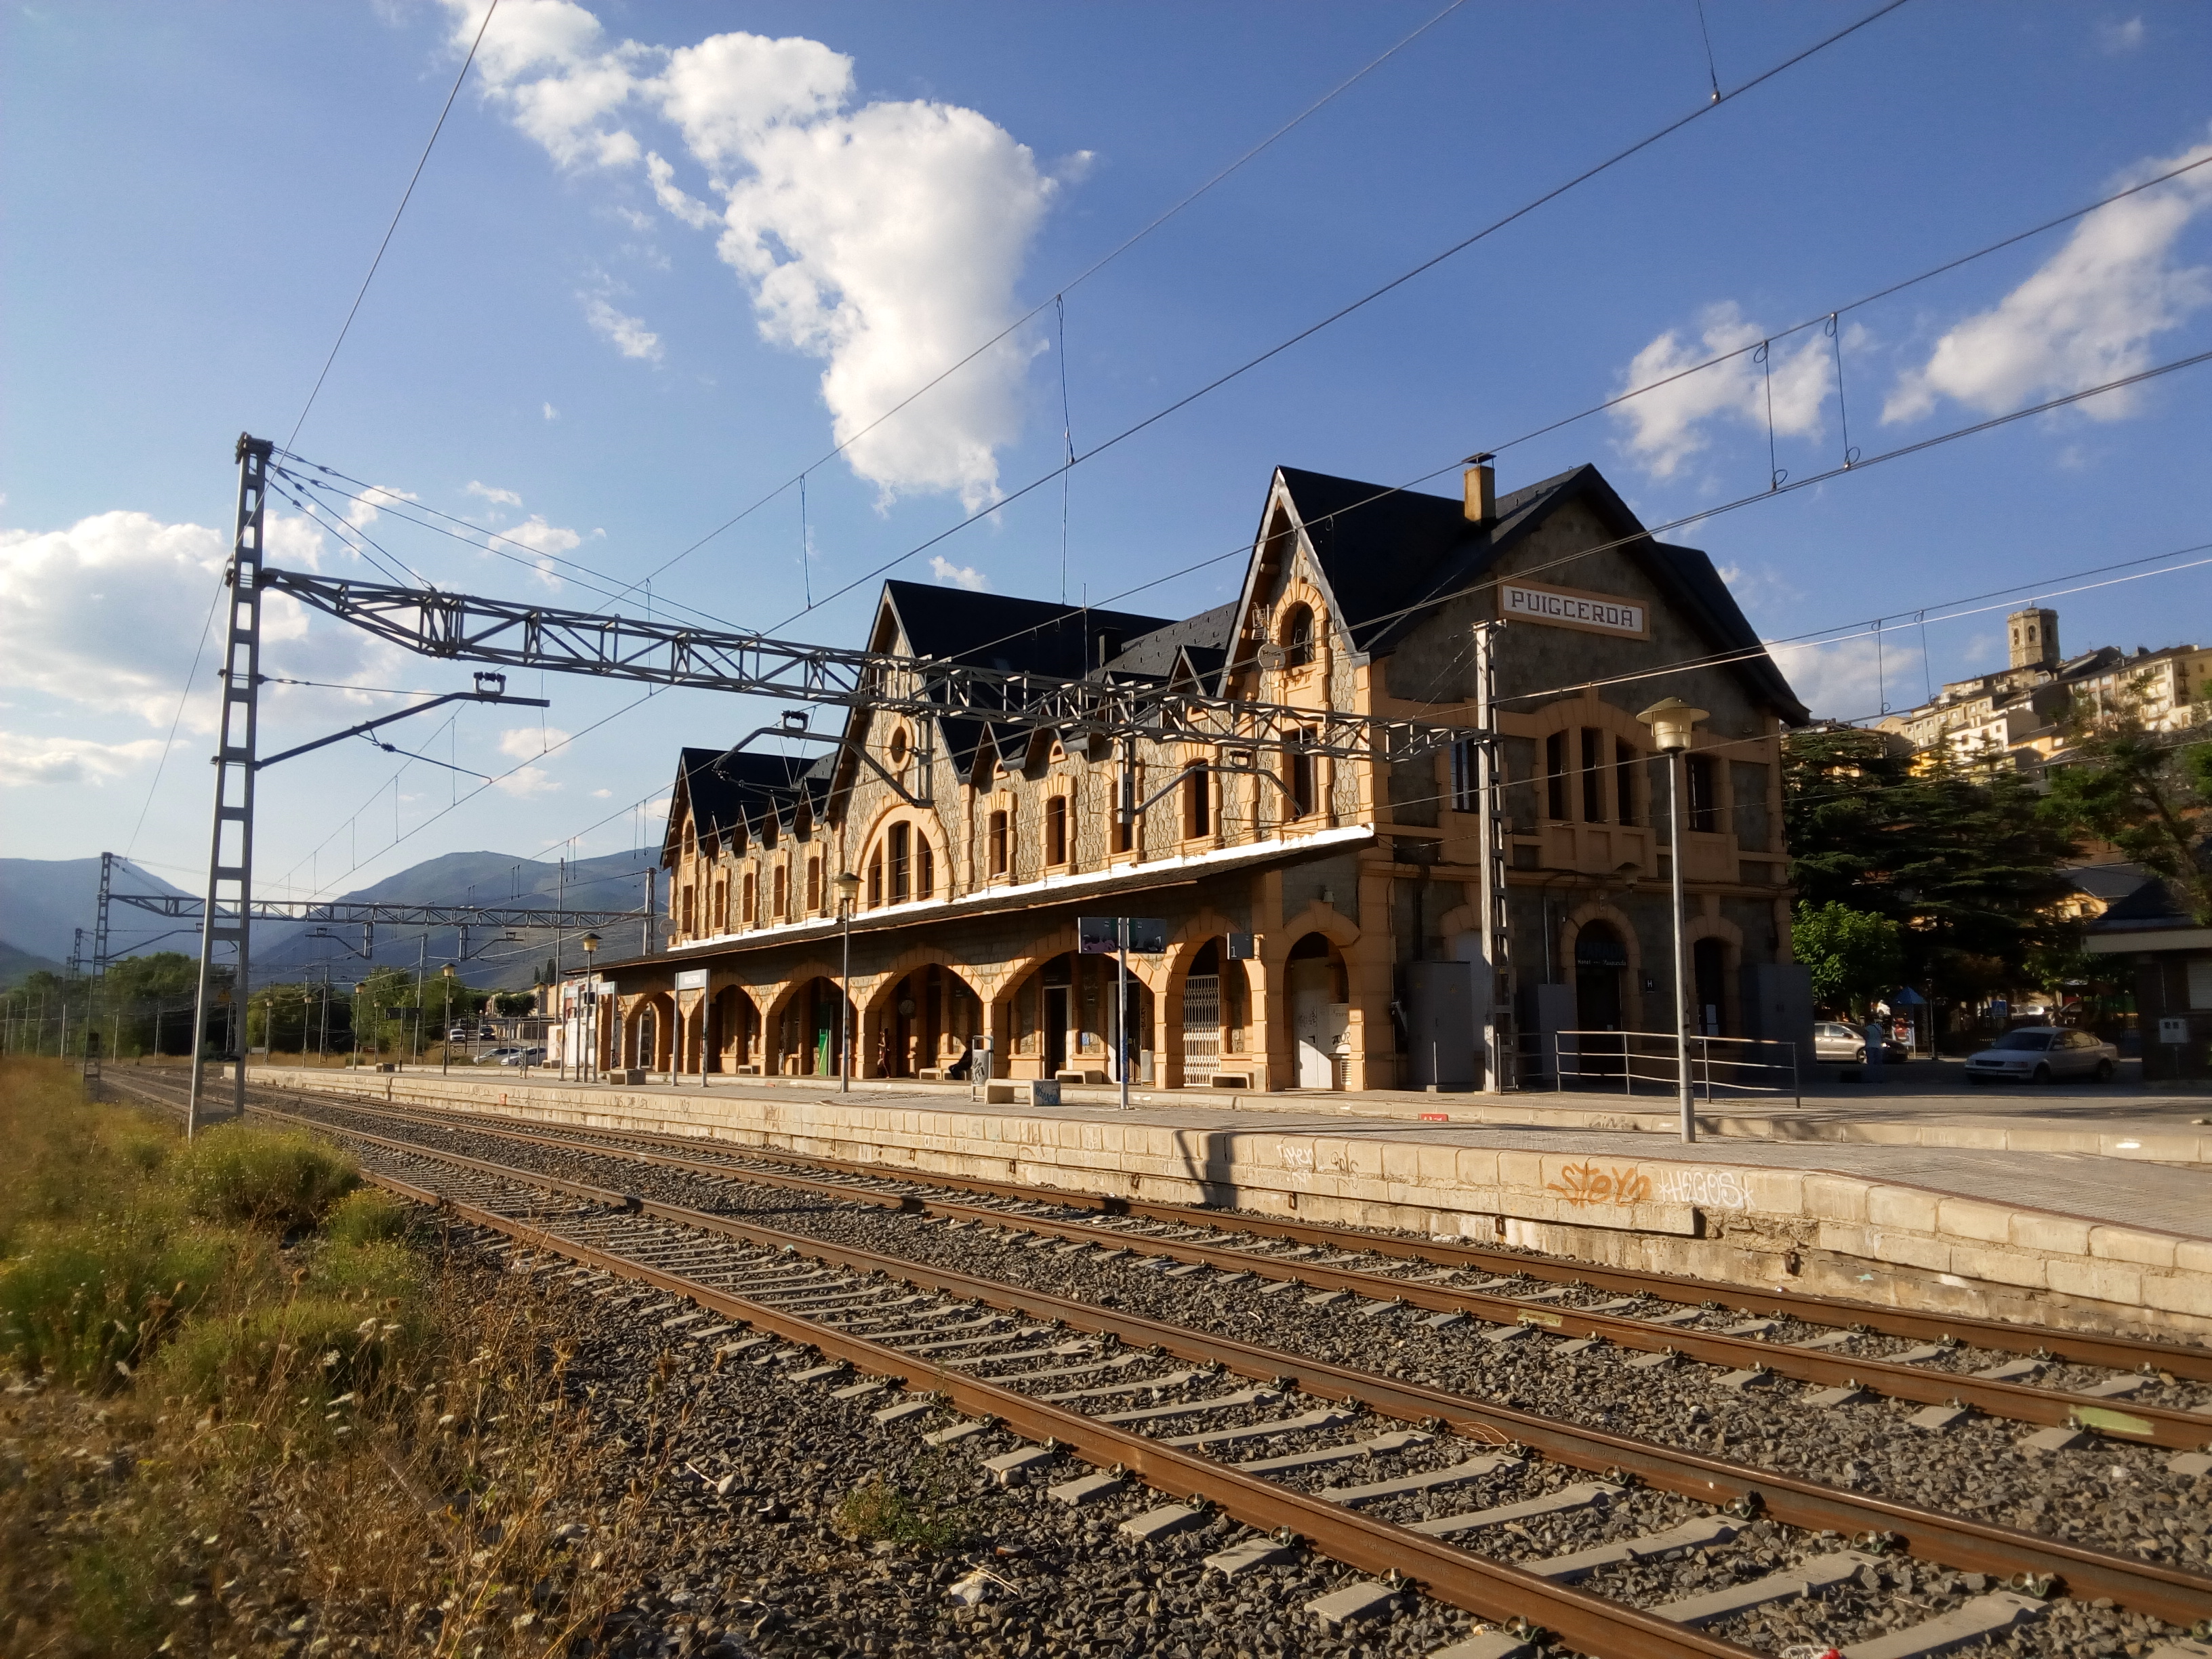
(1587, 1184)
(1583, 1184)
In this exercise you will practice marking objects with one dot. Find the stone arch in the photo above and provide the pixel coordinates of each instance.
(733, 1028)
(1316, 1000)
(649, 1030)
(1599, 910)
(921, 1016)
(1191, 1032)
(1708, 975)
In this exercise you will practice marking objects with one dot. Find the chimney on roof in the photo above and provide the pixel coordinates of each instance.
(1481, 490)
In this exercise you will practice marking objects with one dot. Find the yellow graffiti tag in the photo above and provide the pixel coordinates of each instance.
(1588, 1183)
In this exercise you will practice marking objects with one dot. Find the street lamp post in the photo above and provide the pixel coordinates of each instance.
(848, 890)
(1672, 722)
(591, 943)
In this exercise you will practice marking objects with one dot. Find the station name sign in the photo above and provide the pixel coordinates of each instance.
(1563, 607)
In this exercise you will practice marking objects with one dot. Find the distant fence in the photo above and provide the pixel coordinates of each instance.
(1604, 1061)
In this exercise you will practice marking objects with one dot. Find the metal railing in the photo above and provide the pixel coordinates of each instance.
(1607, 1060)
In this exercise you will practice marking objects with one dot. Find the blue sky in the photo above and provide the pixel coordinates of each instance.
(662, 257)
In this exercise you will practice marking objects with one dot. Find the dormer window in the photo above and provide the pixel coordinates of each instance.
(1297, 637)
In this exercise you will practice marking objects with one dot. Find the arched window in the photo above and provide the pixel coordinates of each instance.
(876, 876)
(753, 912)
(782, 894)
(1297, 637)
(1056, 829)
(899, 844)
(686, 923)
(925, 868)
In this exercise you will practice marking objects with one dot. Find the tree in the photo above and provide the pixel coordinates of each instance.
(1854, 956)
(2148, 793)
(1959, 855)
(513, 1005)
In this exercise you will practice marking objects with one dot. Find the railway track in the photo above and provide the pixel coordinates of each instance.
(1376, 1470)
(2108, 1385)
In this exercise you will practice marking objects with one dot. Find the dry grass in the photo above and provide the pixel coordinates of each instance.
(351, 1438)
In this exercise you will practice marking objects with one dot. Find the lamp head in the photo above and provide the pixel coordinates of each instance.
(590, 942)
(848, 886)
(445, 973)
(1671, 721)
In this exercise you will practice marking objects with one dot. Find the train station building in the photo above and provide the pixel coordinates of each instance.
(1314, 908)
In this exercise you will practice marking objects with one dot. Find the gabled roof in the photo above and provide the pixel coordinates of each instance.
(1386, 554)
(994, 630)
(1198, 646)
(728, 793)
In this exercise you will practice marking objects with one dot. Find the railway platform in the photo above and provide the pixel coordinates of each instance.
(2015, 1207)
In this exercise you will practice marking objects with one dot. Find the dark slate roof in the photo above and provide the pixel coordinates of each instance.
(995, 630)
(2110, 881)
(731, 792)
(2151, 905)
(1385, 551)
(1199, 643)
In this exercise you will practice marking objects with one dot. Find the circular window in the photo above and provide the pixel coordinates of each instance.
(898, 749)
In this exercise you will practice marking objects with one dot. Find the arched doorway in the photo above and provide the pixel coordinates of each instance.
(733, 1028)
(1319, 1009)
(1709, 975)
(648, 1037)
(1067, 1017)
(806, 1036)
(1216, 999)
(926, 1023)
(1600, 975)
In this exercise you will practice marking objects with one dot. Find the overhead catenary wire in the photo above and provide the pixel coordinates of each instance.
(1244, 548)
(1370, 297)
(1082, 276)
(405, 196)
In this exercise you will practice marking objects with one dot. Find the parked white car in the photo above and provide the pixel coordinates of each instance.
(2044, 1054)
(507, 1056)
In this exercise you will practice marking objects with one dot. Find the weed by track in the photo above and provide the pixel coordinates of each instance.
(253, 1408)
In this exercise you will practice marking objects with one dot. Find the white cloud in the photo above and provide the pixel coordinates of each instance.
(628, 334)
(884, 239)
(495, 496)
(547, 541)
(959, 575)
(1849, 680)
(1666, 427)
(552, 413)
(529, 742)
(103, 615)
(361, 512)
(2117, 37)
(26, 759)
(2087, 316)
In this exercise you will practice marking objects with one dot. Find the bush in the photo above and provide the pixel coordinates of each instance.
(368, 1216)
(322, 1343)
(930, 1519)
(90, 1302)
(279, 1179)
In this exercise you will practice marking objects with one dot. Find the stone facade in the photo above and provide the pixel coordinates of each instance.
(974, 849)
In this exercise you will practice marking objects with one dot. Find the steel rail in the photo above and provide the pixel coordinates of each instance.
(1952, 1540)
(1492, 1589)
(2124, 1353)
(2019, 1402)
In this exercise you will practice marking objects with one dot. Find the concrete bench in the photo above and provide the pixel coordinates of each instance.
(1008, 1091)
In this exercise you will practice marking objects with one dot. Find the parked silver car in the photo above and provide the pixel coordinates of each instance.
(2044, 1054)
(1833, 1040)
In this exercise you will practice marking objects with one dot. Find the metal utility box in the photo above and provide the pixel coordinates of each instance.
(1440, 1036)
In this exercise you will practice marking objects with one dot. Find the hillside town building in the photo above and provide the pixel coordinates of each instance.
(1315, 911)
(2016, 713)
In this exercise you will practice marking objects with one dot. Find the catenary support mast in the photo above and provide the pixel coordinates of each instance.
(1493, 990)
(230, 854)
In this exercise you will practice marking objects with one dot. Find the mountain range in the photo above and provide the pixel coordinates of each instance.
(44, 901)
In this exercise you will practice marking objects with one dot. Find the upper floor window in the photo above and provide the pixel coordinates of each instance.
(876, 876)
(721, 907)
(1125, 816)
(1705, 795)
(814, 884)
(1198, 802)
(1624, 782)
(899, 846)
(753, 912)
(1593, 775)
(1297, 640)
(1056, 829)
(685, 924)
(999, 848)
(1466, 775)
(1555, 777)
(925, 868)
(1299, 772)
